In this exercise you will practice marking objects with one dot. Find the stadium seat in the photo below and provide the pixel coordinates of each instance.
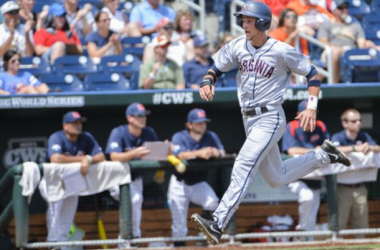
(106, 82)
(77, 65)
(128, 65)
(130, 45)
(360, 65)
(375, 6)
(34, 65)
(371, 20)
(358, 8)
(372, 32)
(62, 83)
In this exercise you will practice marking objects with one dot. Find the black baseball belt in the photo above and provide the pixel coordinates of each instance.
(253, 112)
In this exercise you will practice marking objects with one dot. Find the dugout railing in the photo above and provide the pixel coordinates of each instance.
(19, 207)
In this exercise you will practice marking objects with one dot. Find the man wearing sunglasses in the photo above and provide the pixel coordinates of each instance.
(352, 193)
(14, 35)
(125, 144)
(342, 34)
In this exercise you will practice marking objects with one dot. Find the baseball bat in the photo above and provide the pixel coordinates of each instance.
(178, 164)
(101, 229)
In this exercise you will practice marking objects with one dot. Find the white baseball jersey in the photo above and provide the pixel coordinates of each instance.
(264, 73)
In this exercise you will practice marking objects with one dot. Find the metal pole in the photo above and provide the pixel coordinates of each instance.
(21, 212)
(125, 212)
(6, 217)
(332, 202)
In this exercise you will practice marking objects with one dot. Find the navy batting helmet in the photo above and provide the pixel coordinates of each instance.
(259, 10)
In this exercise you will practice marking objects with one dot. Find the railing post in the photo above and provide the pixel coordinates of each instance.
(6, 216)
(332, 203)
(21, 212)
(125, 211)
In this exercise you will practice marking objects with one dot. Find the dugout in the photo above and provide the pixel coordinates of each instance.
(28, 121)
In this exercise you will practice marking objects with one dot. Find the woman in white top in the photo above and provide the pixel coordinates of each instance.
(119, 20)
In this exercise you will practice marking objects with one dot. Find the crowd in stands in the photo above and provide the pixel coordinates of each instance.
(96, 30)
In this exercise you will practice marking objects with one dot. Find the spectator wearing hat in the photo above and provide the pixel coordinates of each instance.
(148, 14)
(14, 35)
(195, 69)
(125, 143)
(161, 72)
(195, 142)
(56, 39)
(296, 142)
(342, 34)
(13, 82)
(67, 146)
(79, 18)
(27, 13)
(177, 51)
(103, 41)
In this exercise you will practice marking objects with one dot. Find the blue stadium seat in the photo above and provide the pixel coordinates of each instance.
(372, 32)
(128, 65)
(34, 65)
(358, 7)
(62, 83)
(77, 65)
(360, 65)
(375, 6)
(106, 82)
(129, 45)
(371, 20)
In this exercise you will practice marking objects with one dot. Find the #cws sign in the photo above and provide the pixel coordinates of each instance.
(21, 150)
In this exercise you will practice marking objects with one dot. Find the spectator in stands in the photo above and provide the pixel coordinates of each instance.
(125, 143)
(183, 31)
(296, 142)
(56, 39)
(26, 13)
(161, 72)
(69, 145)
(80, 19)
(195, 69)
(119, 20)
(310, 15)
(177, 50)
(103, 41)
(14, 35)
(226, 38)
(13, 82)
(276, 6)
(147, 16)
(287, 30)
(341, 35)
(195, 142)
(352, 193)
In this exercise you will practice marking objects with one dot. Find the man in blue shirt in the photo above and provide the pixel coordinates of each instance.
(196, 142)
(148, 15)
(296, 142)
(66, 146)
(352, 196)
(195, 69)
(125, 144)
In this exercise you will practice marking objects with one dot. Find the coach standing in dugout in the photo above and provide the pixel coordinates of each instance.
(196, 142)
(352, 193)
(67, 146)
(125, 144)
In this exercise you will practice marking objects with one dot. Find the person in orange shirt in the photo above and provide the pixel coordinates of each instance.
(288, 31)
(310, 13)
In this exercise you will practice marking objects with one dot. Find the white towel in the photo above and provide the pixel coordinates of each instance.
(30, 178)
(103, 176)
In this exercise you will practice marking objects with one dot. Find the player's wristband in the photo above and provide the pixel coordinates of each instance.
(89, 157)
(205, 82)
(312, 103)
(212, 74)
(353, 148)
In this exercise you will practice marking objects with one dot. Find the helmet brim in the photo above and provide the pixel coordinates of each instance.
(243, 13)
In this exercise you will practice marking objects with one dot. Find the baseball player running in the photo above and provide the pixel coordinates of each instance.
(265, 65)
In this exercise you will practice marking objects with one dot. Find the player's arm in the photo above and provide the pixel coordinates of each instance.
(206, 88)
(203, 153)
(62, 158)
(130, 155)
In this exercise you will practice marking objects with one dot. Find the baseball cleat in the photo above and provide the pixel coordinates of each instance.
(335, 155)
(208, 227)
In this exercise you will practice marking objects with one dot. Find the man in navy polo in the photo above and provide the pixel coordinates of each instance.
(352, 193)
(195, 69)
(125, 144)
(297, 142)
(195, 142)
(66, 146)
